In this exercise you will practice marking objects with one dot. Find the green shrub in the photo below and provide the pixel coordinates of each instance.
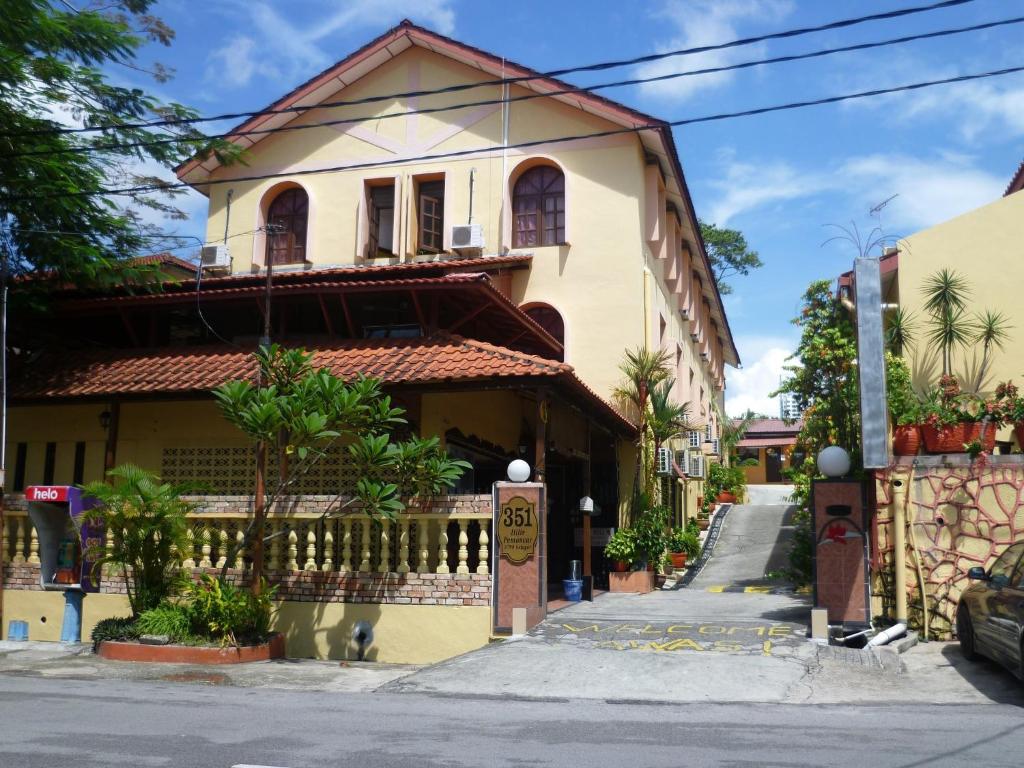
(114, 629)
(172, 619)
(621, 547)
(228, 614)
(683, 540)
(693, 527)
(650, 535)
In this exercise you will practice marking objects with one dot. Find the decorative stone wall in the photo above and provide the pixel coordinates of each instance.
(318, 586)
(960, 514)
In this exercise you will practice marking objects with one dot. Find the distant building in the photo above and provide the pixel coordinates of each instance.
(788, 408)
(767, 448)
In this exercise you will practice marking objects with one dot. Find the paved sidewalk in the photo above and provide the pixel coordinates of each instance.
(58, 660)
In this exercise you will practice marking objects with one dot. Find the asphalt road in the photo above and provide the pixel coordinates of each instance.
(45, 723)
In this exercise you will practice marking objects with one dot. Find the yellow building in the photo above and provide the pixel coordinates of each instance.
(766, 449)
(983, 246)
(488, 248)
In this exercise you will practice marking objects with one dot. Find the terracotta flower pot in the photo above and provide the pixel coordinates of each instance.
(945, 439)
(972, 432)
(678, 559)
(621, 566)
(1018, 431)
(906, 440)
(703, 523)
(725, 497)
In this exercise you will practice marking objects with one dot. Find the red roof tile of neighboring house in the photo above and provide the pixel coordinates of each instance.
(773, 425)
(1017, 182)
(440, 359)
(765, 442)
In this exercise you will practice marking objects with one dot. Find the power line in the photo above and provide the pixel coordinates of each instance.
(84, 149)
(537, 142)
(840, 24)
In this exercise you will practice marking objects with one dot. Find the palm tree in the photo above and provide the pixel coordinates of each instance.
(733, 431)
(899, 331)
(946, 295)
(644, 370)
(991, 331)
(667, 418)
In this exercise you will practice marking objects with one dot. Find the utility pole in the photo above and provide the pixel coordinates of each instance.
(260, 500)
(4, 261)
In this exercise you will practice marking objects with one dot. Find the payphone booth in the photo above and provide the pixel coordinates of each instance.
(66, 540)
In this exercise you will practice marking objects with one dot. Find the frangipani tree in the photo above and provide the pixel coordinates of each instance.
(298, 413)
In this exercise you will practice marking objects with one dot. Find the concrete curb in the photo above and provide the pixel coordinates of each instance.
(709, 547)
(885, 658)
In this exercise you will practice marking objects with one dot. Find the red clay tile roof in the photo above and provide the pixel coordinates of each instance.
(765, 442)
(1017, 182)
(440, 359)
(773, 425)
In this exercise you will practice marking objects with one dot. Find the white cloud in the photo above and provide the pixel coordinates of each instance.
(929, 189)
(747, 388)
(277, 49)
(699, 23)
(979, 107)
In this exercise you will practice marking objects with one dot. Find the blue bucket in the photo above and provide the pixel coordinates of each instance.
(17, 630)
(573, 589)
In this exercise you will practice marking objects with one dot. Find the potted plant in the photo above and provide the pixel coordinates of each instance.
(621, 549)
(980, 423)
(650, 530)
(683, 544)
(943, 428)
(1007, 407)
(904, 407)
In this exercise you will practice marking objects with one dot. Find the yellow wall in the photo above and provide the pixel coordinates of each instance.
(406, 634)
(144, 430)
(984, 246)
(492, 416)
(596, 281)
(758, 475)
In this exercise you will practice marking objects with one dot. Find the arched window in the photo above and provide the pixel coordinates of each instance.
(538, 208)
(286, 227)
(548, 318)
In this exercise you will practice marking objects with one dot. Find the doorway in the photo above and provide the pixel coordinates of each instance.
(773, 465)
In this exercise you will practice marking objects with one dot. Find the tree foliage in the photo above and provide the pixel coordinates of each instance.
(299, 413)
(823, 378)
(728, 253)
(53, 72)
(149, 523)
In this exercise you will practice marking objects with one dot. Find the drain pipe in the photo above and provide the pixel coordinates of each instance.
(896, 630)
(899, 547)
(926, 615)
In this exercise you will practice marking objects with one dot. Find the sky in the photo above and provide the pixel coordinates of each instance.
(788, 181)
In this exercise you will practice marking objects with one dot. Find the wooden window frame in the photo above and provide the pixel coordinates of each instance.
(373, 247)
(542, 200)
(294, 253)
(430, 225)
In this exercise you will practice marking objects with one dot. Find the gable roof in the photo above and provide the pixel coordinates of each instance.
(1017, 182)
(655, 134)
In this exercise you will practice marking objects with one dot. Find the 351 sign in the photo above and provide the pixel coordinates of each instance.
(518, 529)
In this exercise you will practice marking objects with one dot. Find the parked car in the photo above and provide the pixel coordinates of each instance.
(990, 617)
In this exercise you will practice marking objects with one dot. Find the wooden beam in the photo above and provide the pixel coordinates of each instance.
(541, 445)
(132, 335)
(348, 316)
(419, 310)
(466, 318)
(326, 315)
(110, 452)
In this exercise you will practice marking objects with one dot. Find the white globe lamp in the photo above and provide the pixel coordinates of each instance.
(518, 471)
(834, 461)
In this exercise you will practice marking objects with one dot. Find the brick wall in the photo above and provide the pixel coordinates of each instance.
(326, 587)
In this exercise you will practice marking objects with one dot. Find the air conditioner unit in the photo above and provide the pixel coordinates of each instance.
(664, 463)
(696, 466)
(467, 236)
(215, 256)
(716, 447)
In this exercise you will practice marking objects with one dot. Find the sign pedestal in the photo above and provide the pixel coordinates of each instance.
(520, 555)
(840, 551)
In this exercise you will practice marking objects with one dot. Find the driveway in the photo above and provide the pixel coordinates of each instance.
(731, 635)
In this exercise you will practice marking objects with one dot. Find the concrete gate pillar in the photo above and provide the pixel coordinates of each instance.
(520, 556)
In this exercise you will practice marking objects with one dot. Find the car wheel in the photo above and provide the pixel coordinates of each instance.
(965, 633)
